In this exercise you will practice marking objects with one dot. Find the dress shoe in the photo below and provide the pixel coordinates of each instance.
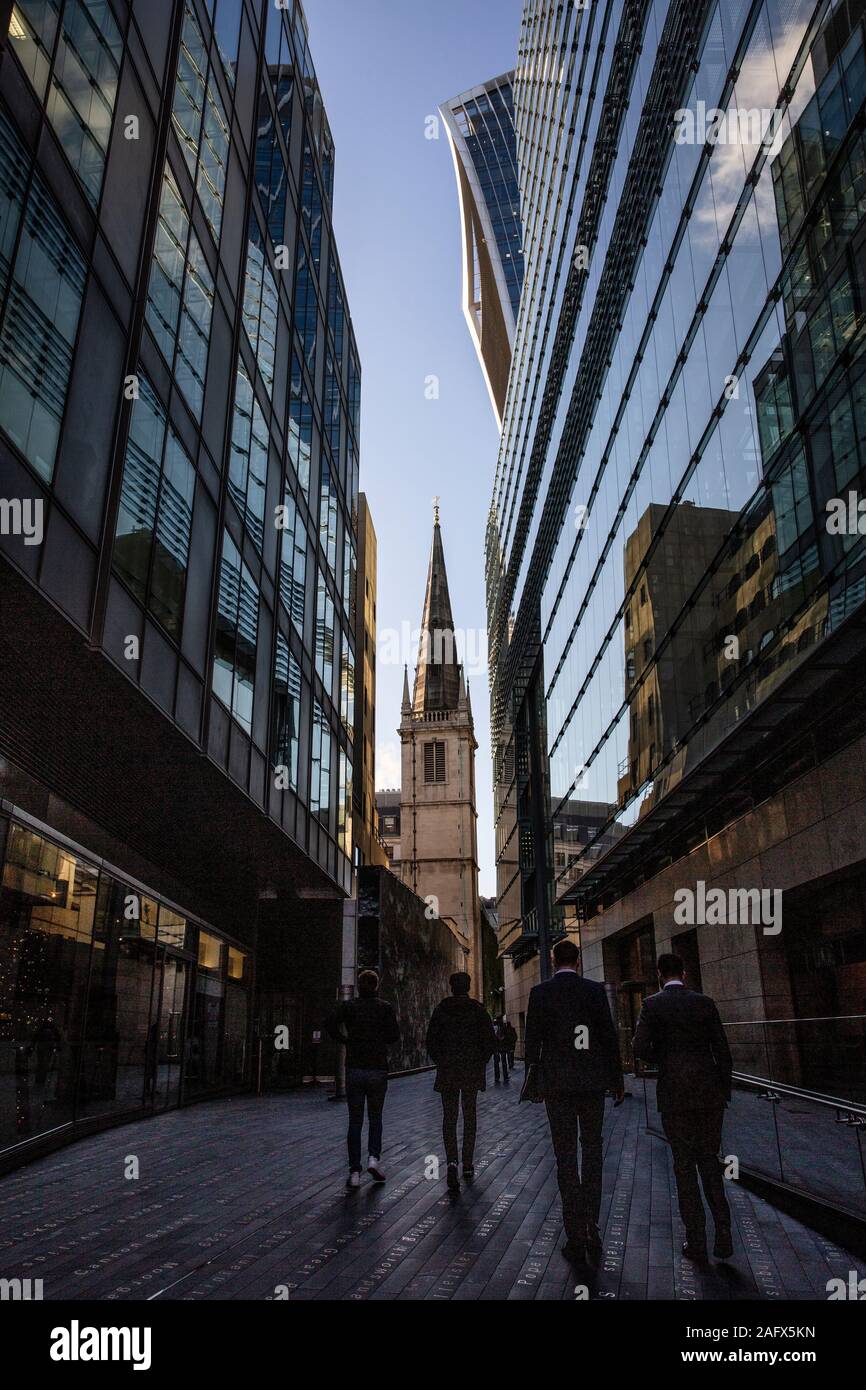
(723, 1248)
(453, 1179)
(696, 1253)
(574, 1253)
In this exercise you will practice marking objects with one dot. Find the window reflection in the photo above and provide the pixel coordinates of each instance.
(234, 673)
(43, 292)
(94, 996)
(720, 562)
(47, 911)
(154, 523)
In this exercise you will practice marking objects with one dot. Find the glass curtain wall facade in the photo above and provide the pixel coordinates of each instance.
(179, 411)
(480, 126)
(685, 411)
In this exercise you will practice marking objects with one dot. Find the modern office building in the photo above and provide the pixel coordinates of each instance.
(368, 847)
(179, 400)
(480, 126)
(677, 615)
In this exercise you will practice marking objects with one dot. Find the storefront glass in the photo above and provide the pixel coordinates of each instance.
(110, 1001)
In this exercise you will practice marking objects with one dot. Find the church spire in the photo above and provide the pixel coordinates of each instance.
(437, 678)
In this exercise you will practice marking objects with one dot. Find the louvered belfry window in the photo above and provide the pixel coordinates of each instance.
(434, 762)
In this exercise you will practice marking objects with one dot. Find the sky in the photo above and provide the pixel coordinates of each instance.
(384, 67)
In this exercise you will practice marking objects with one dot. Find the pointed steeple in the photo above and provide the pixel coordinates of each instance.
(437, 678)
(407, 701)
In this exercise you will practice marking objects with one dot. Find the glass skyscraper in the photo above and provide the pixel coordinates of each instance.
(480, 126)
(179, 410)
(676, 615)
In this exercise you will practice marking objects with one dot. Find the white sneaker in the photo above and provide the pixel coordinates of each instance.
(375, 1169)
(354, 1180)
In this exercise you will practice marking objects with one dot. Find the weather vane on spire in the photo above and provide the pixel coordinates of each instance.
(436, 501)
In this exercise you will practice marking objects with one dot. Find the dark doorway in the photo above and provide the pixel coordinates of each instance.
(629, 965)
(686, 946)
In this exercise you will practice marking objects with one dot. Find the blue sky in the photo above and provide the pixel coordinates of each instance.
(384, 66)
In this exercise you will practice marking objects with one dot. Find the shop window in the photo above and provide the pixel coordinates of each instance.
(209, 951)
(47, 916)
(237, 964)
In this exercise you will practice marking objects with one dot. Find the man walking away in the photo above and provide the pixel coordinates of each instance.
(461, 1041)
(680, 1030)
(510, 1041)
(367, 1026)
(571, 1038)
(500, 1055)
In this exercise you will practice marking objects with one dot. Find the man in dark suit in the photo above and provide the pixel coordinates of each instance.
(570, 1037)
(681, 1032)
(461, 1041)
(368, 1027)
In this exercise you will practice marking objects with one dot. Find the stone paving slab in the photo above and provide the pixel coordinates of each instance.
(245, 1200)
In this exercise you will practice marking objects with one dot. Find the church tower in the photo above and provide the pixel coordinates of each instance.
(438, 819)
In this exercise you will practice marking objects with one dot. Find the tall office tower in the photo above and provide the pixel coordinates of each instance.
(438, 817)
(676, 609)
(368, 846)
(179, 397)
(480, 126)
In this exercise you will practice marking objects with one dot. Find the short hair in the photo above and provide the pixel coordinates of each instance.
(670, 966)
(565, 952)
(368, 984)
(460, 982)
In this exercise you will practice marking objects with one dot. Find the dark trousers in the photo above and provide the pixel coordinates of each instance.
(450, 1111)
(364, 1086)
(580, 1190)
(695, 1138)
(500, 1058)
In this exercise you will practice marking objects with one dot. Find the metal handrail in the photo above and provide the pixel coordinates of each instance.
(823, 1018)
(815, 1097)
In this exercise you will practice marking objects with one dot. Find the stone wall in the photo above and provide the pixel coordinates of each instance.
(813, 829)
(415, 957)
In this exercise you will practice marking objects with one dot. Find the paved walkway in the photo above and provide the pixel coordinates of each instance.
(244, 1199)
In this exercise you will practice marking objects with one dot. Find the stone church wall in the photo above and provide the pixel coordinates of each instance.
(414, 956)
